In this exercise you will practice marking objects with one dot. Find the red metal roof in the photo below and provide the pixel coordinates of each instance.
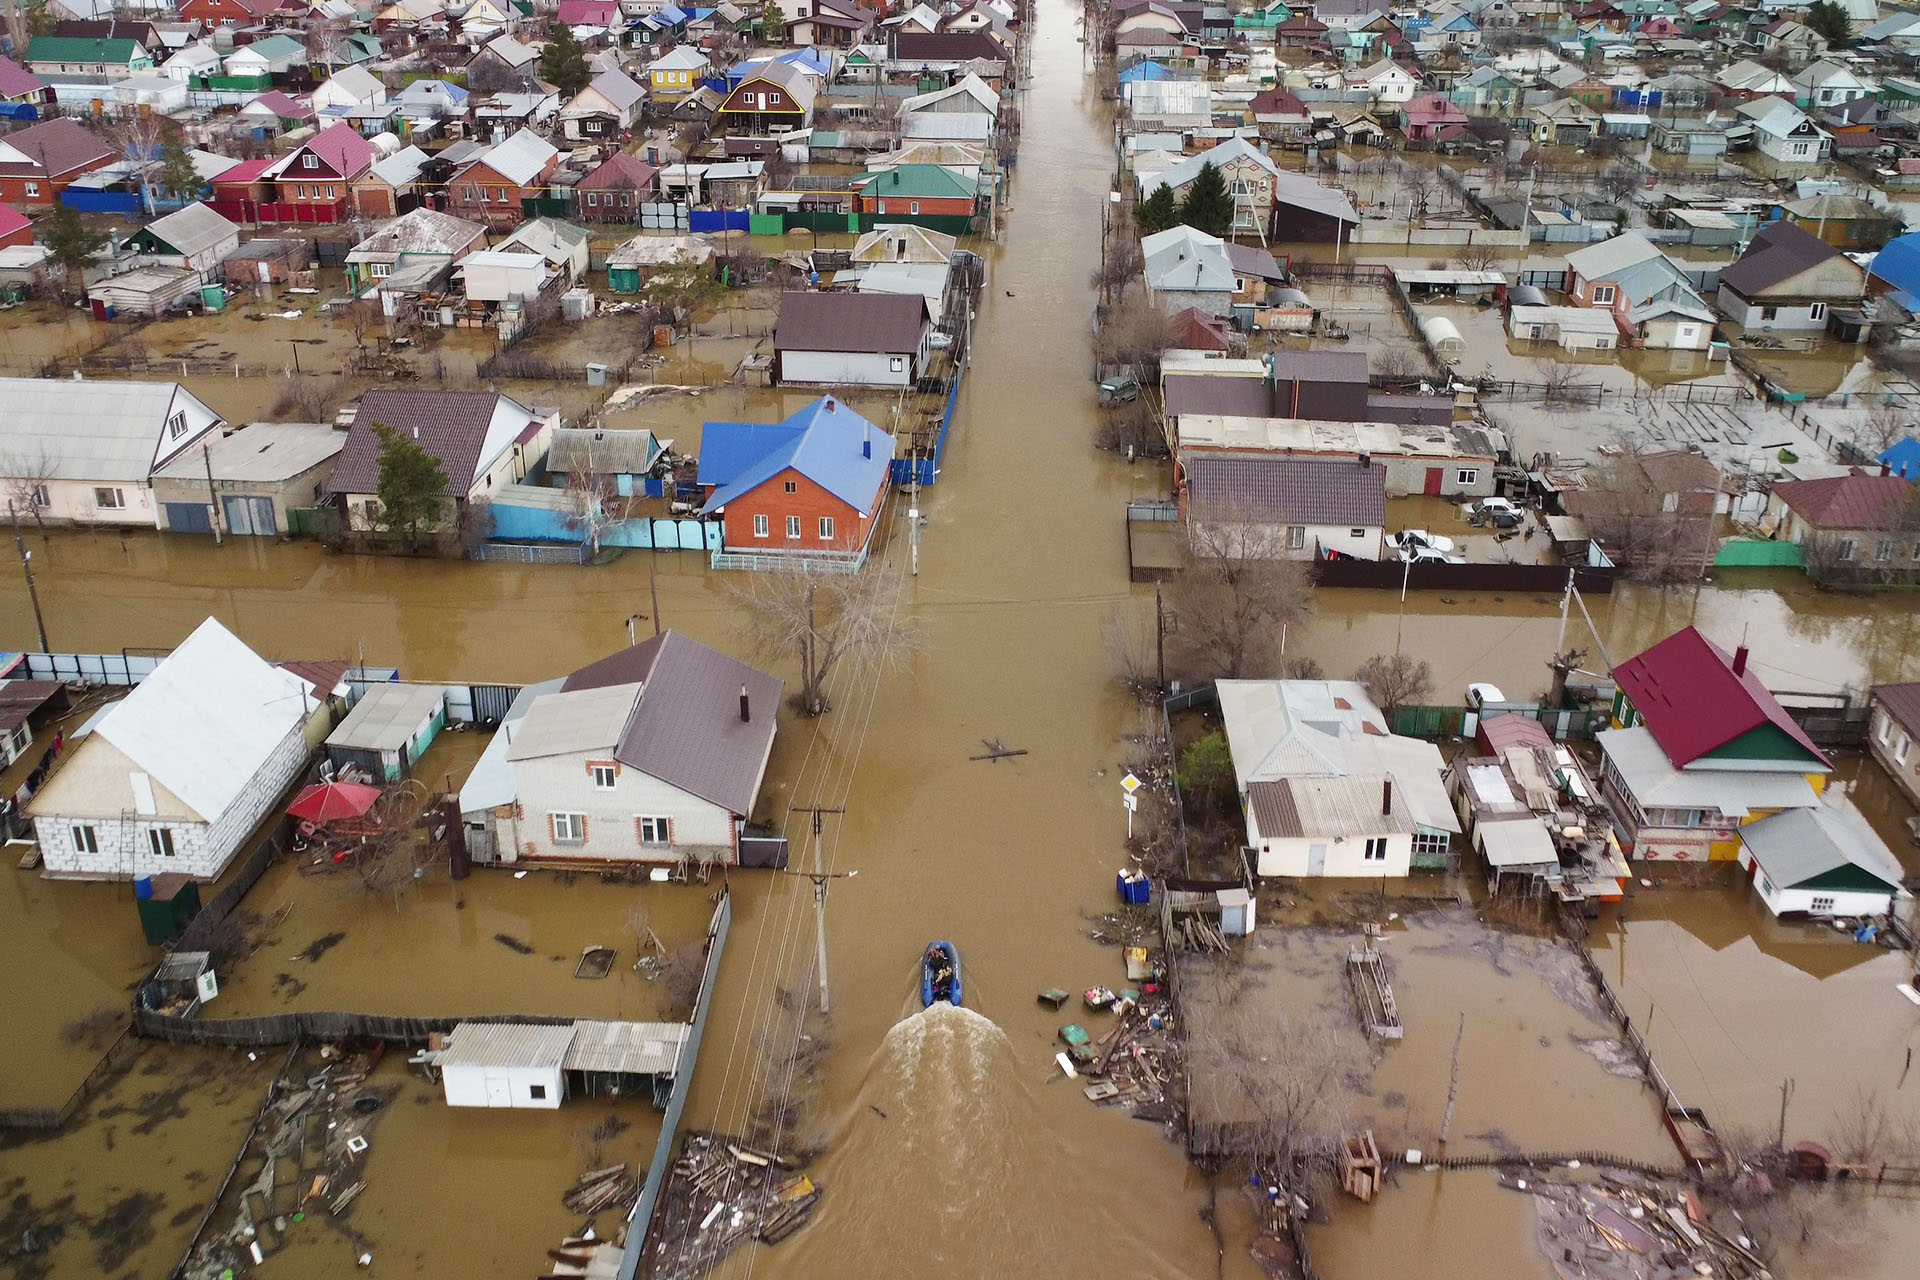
(1857, 500)
(1693, 703)
(246, 173)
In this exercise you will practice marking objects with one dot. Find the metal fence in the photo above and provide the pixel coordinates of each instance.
(124, 668)
(531, 553)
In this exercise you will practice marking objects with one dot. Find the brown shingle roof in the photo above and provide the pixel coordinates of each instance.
(1289, 490)
(1777, 254)
(947, 46)
(1856, 500)
(686, 729)
(1902, 702)
(856, 322)
(1273, 809)
(450, 425)
(57, 147)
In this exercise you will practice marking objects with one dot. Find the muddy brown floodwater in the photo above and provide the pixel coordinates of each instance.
(953, 1146)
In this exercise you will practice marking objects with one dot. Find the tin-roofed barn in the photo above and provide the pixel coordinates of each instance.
(388, 730)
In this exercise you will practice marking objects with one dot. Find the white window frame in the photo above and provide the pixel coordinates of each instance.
(309, 161)
(110, 498)
(379, 270)
(85, 838)
(896, 364)
(1883, 550)
(568, 828)
(1467, 475)
(177, 425)
(654, 831)
(826, 528)
(1849, 549)
(1604, 294)
(793, 528)
(160, 842)
(1376, 850)
(760, 529)
(605, 776)
(1296, 537)
(1886, 729)
(42, 498)
(33, 190)
(1818, 311)
(1903, 748)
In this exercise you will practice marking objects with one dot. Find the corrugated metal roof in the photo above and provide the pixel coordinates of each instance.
(387, 716)
(826, 442)
(576, 720)
(1654, 783)
(1687, 692)
(1523, 842)
(265, 452)
(638, 1048)
(87, 430)
(1804, 844)
(1852, 501)
(600, 451)
(192, 229)
(506, 1044)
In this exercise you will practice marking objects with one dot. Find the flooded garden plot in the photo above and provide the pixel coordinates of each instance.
(1539, 1069)
(119, 1190)
(490, 944)
(1453, 1225)
(427, 1170)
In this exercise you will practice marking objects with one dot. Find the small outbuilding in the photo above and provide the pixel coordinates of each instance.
(389, 729)
(267, 260)
(1444, 337)
(504, 1064)
(260, 475)
(1820, 862)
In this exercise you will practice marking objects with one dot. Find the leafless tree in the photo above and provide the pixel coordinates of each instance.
(1284, 1084)
(1618, 182)
(594, 503)
(1398, 360)
(1557, 381)
(1128, 635)
(1884, 426)
(26, 474)
(1122, 263)
(324, 39)
(1234, 591)
(680, 981)
(1133, 336)
(1657, 537)
(1421, 186)
(1395, 680)
(1480, 257)
(824, 619)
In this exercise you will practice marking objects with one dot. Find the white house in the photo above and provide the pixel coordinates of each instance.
(655, 754)
(196, 59)
(494, 276)
(174, 778)
(964, 112)
(1829, 84)
(275, 54)
(851, 339)
(563, 246)
(1184, 267)
(1821, 861)
(504, 1064)
(1785, 134)
(1386, 82)
(1327, 788)
(83, 452)
(604, 109)
(350, 87)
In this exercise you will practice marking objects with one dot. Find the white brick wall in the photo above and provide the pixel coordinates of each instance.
(562, 784)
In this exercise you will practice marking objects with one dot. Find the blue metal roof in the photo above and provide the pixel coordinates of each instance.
(1148, 70)
(826, 442)
(1903, 458)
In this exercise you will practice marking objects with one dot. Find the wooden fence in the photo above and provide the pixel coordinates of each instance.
(57, 1117)
(1392, 575)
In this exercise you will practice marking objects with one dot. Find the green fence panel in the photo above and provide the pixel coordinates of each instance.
(1428, 722)
(767, 224)
(1753, 553)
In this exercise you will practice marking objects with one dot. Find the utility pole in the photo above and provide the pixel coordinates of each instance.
(653, 591)
(1162, 623)
(913, 508)
(820, 875)
(213, 498)
(26, 564)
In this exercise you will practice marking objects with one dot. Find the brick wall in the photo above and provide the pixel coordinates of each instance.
(810, 503)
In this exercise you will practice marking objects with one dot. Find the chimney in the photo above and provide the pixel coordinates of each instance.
(1740, 661)
(1885, 469)
(416, 433)
(1386, 796)
(745, 718)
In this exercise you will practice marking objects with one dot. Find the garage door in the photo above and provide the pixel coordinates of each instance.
(250, 516)
(189, 517)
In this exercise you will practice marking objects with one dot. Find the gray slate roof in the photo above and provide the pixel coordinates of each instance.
(1804, 844)
(1289, 490)
(192, 229)
(686, 729)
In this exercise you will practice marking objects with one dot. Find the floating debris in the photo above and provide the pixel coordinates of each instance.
(720, 1195)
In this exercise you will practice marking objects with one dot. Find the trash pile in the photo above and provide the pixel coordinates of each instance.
(1618, 1226)
(305, 1156)
(613, 1187)
(1132, 1063)
(720, 1195)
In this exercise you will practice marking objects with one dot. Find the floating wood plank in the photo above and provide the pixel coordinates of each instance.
(996, 750)
(1373, 994)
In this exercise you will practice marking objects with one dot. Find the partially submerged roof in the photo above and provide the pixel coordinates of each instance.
(686, 728)
(1819, 848)
(387, 716)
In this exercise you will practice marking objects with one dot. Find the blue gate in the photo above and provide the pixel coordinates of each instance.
(711, 220)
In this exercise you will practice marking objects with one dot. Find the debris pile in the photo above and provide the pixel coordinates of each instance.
(1624, 1227)
(613, 1187)
(720, 1195)
(1132, 1065)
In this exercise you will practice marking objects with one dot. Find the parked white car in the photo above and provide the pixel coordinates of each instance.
(1420, 538)
(1419, 553)
(1479, 694)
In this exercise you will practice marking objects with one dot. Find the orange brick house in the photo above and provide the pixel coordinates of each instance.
(38, 162)
(491, 189)
(807, 487)
(322, 170)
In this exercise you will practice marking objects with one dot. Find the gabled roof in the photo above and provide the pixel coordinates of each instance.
(96, 429)
(357, 81)
(281, 105)
(1276, 102)
(421, 230)
(1857, 500)
(848, 322)
(69, 49)
(16, 81)
(461, 429)
(1902, 702)
(511, 51)
(1694, 703)
(883, 244)
(622, 170)
(909, 47)
(52, 148)
(339, 145)
(12, 221)
(927, 181)
(1778, 253)
(520, 158)
(1185, 170)
(1806, 845)
(617, 88)
(826, 442)
(795, 79)
(402, 167)
(685, 728)
(271, 48)
(1601, 261)
(206, 719)
(970, 86)
(1280, 490)
(1186, 260)
(192, 229)
(682, 57)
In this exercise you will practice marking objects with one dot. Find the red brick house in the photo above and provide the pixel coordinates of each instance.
(491, 189)
(809, 486)
(38, 162)
(15, 228)
(616, 189)
(321, 171)
(230, 13)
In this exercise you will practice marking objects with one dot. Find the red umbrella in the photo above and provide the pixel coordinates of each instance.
(328, 801)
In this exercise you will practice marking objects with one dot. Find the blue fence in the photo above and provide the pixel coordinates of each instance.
(903, 469)
(514, 523)
(711, 220)
(122, 202)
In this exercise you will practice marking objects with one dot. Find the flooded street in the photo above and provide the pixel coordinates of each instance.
(952, 1145)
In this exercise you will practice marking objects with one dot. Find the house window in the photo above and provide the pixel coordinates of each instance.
(1466, 475)
(109, 499)
(33, 189)
(603, 776)
(84, 840)
(1886, 728)
(655, 830)
(177, 425)
(1821, 904)
(759, 526)
(330, 190)
(1376, 850)
(897, 364)
(1849, 549)
(160, 842)
(1296, 537)
(1883, 550)
(1768, 313)
(1800, 148)
(380, 270)
(913, 206)
(1425, 842)
(826, 528)
(1603, 295)
(793, 526)
(309, 162)
(792, 486)
(593, 199)
(537, 1092)
(500, 194)
(749, 99)
(568, 828)
(1356, 533)
(1902, 749)
(1818, 311)
(41, 498)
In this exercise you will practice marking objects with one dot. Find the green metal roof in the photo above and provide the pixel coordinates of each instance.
(928, 181)
(76, 49)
